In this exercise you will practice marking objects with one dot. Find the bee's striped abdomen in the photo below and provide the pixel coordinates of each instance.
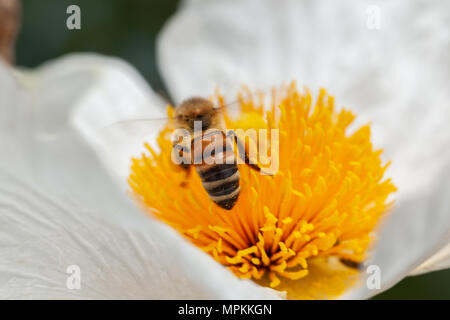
(221, 181)
(220, 174)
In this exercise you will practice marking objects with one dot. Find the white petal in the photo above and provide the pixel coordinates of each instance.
(119, 94)
(42, 237)
(59, 208)
(396, 77)
(439, 261)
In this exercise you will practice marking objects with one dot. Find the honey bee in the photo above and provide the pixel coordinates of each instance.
(219, 169)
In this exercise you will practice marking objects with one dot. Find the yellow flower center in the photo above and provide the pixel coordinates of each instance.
(290, 230)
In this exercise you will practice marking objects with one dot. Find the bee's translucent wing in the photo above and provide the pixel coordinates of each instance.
(124, 139)
(136, 128)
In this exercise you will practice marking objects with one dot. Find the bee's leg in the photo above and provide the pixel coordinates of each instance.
(349, 263)
(185, 165)
(242, 152)
(352, 264)
(187, 170)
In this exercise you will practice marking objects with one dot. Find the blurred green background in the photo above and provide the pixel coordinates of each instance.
(128, 29)
(122, 28)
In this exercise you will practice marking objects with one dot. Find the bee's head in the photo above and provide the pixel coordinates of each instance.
(195, 110)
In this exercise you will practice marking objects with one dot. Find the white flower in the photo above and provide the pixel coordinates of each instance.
(62, 196)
